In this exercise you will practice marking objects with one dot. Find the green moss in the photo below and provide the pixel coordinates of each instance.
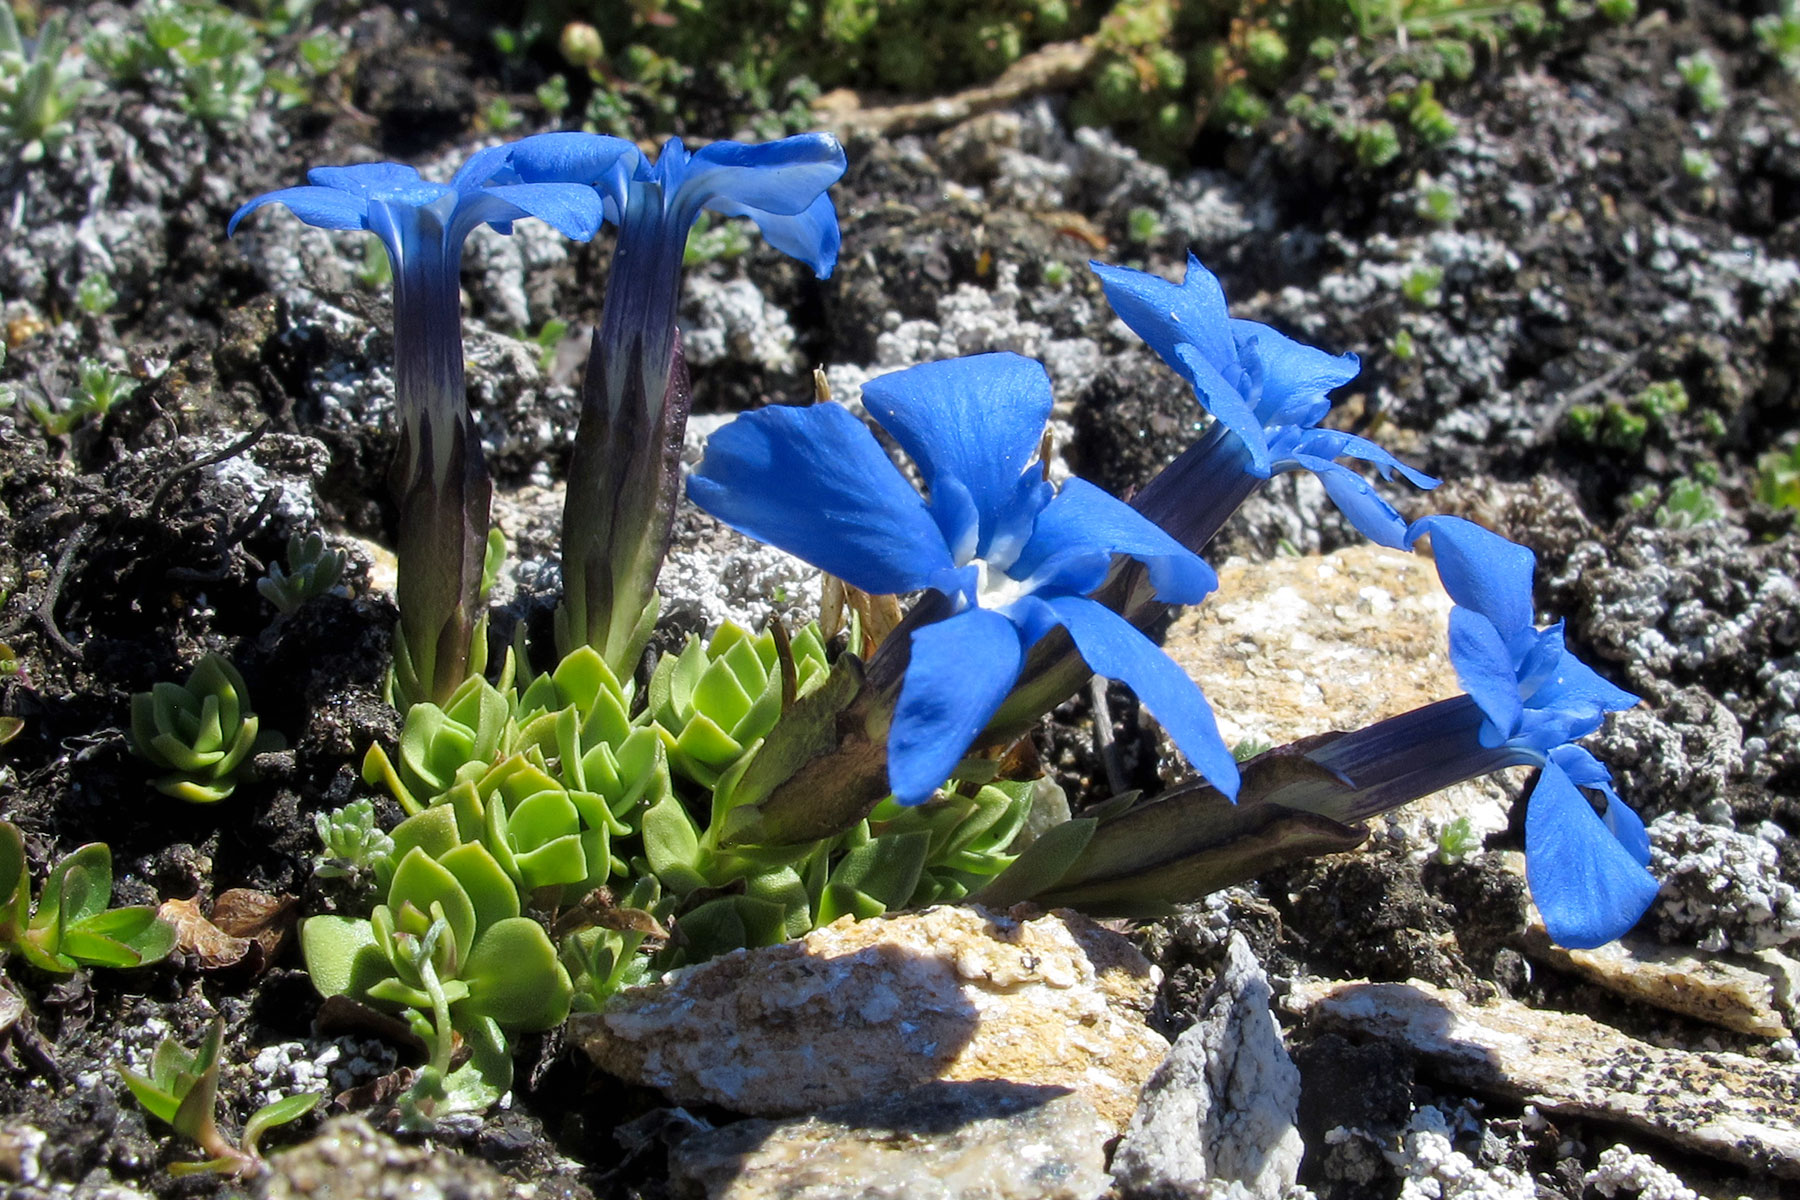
(1377, 145)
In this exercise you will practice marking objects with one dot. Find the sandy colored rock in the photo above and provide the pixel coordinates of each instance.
(872, 1008)
(1728, 1106)
(1303, 645)
(942, 1141)
(1731, 991)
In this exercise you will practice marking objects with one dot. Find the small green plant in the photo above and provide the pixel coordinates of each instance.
(201, 50)
(95, 295)
(1705, 82)
(1625, 424)
(101, 387)
(355, 849)
(450, 951)
(1438, 202)
(500, 116)
(1423, 286)
(376, 272)
(40, 89)
(1056, 274)
(1689, 503)
(1619, 12)
(201, 732)
(1456, 841)
(1778, 478)
(1377, 144)
(181, 1091)
(312, 570)
(1430, 122)
(548, 337)
(1143, 226)
(1779, 33)
(1248, 748)
(553, 96)
(70, 926)
(713, 240)
(1401, 345)
(1698, 165)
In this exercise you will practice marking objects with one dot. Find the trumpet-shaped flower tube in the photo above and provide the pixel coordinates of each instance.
(1012, 556)
(1267, 393)
(438, 474)
(624, 475)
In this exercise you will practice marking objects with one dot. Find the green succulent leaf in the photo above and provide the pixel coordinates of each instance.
(491, 893)
(343, 957)
(515, 978)
(421, 882)
(281, 1112)
(725, 924)
(15, 883)
(672, 845)
(201, 732)
(1041, 866)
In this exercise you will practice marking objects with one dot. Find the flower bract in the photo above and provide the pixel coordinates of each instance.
(1268, 391)
(1016, 556)
(1586, 868)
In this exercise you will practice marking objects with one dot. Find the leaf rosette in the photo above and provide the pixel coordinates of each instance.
(201, 732)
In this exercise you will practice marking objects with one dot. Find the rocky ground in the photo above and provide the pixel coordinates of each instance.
(1580, 307)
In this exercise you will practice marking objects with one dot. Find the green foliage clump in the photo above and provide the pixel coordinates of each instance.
(40, 87)
(312, 570)
(181, 1091)
(1779, 34)
(201, 732)
(1625, 424)
(207, 55)
(355, 849)
(1689, 503)
(71, 926)
(1778, 478)
(1705, 82)
(716, 700)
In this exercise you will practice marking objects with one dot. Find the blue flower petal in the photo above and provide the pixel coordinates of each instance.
(597, 160)
(1481, 570)
(1584, 770)
(572, 209)
(811, 236)
(1588, 886)
(1222, 400)
(1085, 520)
(1295, 376)
(481, 167)
(814, 482)
(781, 178)
(386, 179)
(960, 670)
(1485, 670)
(1168, 315)
(1113, 647)
(1334, 443)
(976, 420)
(1577, 685)
(328, 208)
(1356, 498)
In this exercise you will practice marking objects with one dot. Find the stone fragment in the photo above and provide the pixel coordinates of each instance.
(1297, 646)
(1221, 1107)
(1620, 1169)
(1728, 1106)
(1434, 1169)
(350, 1160)
(1733, 992)
(983, 1140)
(865, 1009)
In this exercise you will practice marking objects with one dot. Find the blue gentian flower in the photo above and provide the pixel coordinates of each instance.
(624, 472)
(781, 185)
(423, 226)
(1586, 869)
(1268, 394)
(1015, 556)
(438, 474)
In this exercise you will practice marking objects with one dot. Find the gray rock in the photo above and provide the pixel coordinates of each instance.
(1721, 887)
(350, 1160)
(1221, 1108)
(984, 1140)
